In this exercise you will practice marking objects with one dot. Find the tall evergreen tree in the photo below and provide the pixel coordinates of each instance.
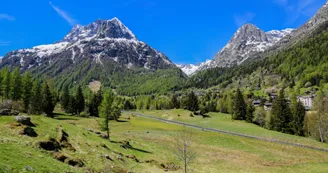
(6, 83)
(36, 98)
(79, 100)
(174, 101)
(27, 90)
(1, 83)
(47, 101)
(281, 117)
(239, 106)
(15, 85)
(250, 113)
(191, 102)
(298, 119)
(105, 109)
(95, 103)
(71, 107)
(64, 99)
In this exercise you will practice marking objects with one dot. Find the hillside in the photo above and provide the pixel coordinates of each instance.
(105, 50)
(151, 142)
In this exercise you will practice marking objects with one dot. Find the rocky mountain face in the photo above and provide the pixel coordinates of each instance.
(246, 42)
(99, 41)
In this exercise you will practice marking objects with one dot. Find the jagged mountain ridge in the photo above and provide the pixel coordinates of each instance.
(247, 41)
(104, 50)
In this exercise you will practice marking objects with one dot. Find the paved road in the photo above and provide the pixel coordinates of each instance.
(227, 132)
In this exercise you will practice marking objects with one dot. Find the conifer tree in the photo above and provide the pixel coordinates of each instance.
(27, 90)
(191, 103)
(105, 110)
(174, 102)
(71, 107)
(36, 98)
(250, 113)
(79, 99)
(239, 106)
(281, 117)
(6, 83)
(47, 101)
(15, 85)
(298, 119)
(64, 99)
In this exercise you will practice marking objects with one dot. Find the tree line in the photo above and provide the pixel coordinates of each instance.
(32, 95)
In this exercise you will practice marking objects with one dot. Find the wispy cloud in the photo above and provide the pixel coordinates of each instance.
(4, 43)
(296, 9)
(241, 19)
(6, 17)
(64, 15)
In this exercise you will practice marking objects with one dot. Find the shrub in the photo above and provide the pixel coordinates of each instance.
(260, 117)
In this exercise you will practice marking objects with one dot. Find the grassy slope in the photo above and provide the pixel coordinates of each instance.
(224, 122)
(216, 152)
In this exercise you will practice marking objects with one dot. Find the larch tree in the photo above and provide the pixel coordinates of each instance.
(27, 90)
(64, 99)
(239, 106)
(6, 83)
(36, 98)
(105, 110)
(183, 147)
(15, 85)
(79, 100)
(47, 100)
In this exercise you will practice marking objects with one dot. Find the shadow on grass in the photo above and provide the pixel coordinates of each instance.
(122, 121)
(131, 148)
(66, 118)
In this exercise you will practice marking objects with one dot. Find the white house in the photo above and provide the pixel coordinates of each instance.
(307, 101)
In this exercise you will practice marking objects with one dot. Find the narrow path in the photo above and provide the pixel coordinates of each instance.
(229, 133)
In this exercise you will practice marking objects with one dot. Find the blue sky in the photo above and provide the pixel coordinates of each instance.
(187, 31)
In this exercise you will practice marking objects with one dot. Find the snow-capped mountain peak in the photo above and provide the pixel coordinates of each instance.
(191, 69)
(112, 28)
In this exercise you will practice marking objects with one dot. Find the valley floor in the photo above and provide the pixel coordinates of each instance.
(152, 142)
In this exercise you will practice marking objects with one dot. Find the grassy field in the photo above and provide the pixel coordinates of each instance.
(151, 140)
(224, 122)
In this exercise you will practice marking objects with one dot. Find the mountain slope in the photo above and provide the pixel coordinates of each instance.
(104, 50)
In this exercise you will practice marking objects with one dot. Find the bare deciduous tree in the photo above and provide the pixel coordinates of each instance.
(183, 147)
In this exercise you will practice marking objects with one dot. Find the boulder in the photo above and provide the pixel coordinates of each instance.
(25, 120)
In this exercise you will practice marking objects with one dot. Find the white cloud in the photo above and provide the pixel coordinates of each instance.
(64, 15)
(244, 18)
(6, 17)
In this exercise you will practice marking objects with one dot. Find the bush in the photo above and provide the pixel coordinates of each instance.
(260, 117)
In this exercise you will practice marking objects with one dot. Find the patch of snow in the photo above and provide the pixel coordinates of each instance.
(50, 49)
(73, 55)
(22, 61)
